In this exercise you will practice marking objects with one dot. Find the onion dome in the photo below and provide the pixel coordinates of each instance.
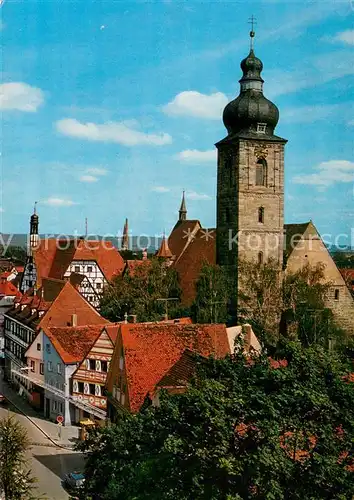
(251, 113)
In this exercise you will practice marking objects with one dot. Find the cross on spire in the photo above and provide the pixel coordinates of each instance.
(252, 21)
(35, 207)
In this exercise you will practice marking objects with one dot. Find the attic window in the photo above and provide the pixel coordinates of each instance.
(89, 269)
(261, 128)
(336, 294)
(77, 269)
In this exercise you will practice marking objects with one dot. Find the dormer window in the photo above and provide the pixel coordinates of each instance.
(261, 128)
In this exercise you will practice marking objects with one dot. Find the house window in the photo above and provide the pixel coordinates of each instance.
(104, 366)
(261, 128)
(89, 269)
(77, 269)
(59, 368)
(260, 258)
(336, 294)
(261, 172)
(98, 285)
(80, 387)
(54, 405)
(92, 389)
(33, 366)
(41, 368)
(92, 364)
(50, 366)
(38, 347)
(47, 346)
(261, 215)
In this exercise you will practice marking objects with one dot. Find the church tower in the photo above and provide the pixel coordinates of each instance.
(250, 177)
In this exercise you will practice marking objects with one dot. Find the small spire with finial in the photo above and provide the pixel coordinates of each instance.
(35, 207)
(86, 227)
(252, 21)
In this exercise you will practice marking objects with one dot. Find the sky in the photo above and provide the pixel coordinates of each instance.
(110, 109)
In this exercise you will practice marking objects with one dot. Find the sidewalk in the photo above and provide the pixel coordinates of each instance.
(64, 436)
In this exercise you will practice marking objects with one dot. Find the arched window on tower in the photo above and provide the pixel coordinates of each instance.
(260, 257)
(261, 172)
(261, 215)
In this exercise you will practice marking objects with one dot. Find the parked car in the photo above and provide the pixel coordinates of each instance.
(2, 399)
(74, 480)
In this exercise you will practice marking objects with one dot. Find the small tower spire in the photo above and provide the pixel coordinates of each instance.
(164, 251)
(125, 239)
(34, 223)
(252, 21)
(183, 209)
(86, 227)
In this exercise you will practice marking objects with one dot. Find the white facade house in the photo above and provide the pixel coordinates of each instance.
(92, 287)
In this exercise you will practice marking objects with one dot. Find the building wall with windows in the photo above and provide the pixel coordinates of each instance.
(88, 381)
(93, 273)
(58, 375)
(310, 250)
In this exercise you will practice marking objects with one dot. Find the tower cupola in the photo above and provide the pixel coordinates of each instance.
(251, 113)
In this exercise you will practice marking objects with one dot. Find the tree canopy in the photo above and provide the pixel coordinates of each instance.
(16, 480)
(137, 293)
(246, 428)
(212, 295)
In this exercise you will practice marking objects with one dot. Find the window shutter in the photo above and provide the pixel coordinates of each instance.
(98, 365)
(75, 386)
(87, 364)
(98, 390)
(86, 388)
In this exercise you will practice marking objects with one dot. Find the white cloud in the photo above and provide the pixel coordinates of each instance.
(88, 178)
(20, 96)
(303, 114)
(118, 132)
(193, 103)
(59, 202)
(96, 171)
(197, 156)
(193, 195)
(319, 70)
(160, 189)
(345, 37)
(1, 210)
(328, 173)
(351, 123)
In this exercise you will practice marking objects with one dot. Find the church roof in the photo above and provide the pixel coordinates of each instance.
(181, 233)
(292, 235)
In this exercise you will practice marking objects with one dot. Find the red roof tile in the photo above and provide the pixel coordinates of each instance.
(8, 289)
(164, 250)
(112, 331)
(69, 302)
(150, 350)
(179, 237)
(53, 257)
(73, 343)
(181, 372)
(201, 249)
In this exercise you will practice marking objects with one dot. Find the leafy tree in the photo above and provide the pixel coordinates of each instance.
(296, 302)
(246, 428)
(212, 295)
(15, 253)
(138, 293)
(344, 260)
(16, 480)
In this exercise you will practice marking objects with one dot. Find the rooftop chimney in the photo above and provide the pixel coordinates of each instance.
(74, 319)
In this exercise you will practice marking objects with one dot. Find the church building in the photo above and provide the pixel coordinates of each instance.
(250, 205)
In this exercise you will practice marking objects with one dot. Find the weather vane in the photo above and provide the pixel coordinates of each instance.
(252, 21)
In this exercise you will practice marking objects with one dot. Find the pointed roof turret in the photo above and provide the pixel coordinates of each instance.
(125, 238)
(183, 209)
(164, 251)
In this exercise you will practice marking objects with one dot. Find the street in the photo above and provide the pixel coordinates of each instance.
(49, 463)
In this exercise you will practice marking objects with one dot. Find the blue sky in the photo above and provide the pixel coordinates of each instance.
(109, 109)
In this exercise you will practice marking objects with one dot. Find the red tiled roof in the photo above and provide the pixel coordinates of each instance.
(68, 302)
(53, 257)
(8, 289)
(201, 249)
(178, 239)
(112, 331)
(73, 343)
(150, 350)
(181, 372)
(164, 250)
